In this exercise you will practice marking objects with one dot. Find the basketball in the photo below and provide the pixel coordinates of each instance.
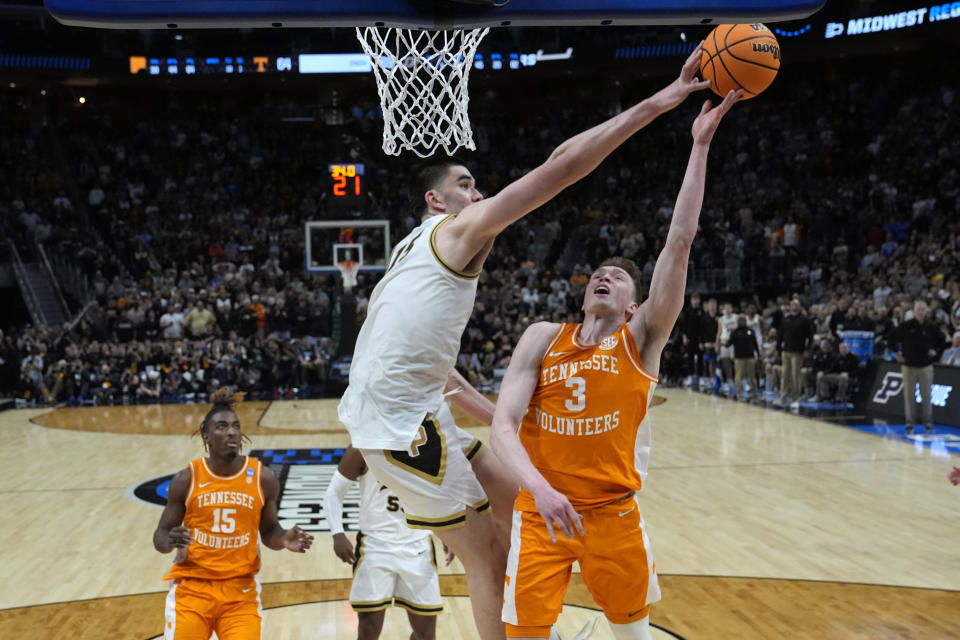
(739, 56)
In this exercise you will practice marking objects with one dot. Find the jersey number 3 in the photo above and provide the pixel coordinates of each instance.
(579, 399)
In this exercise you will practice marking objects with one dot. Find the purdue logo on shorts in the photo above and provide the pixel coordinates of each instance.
(427, 456)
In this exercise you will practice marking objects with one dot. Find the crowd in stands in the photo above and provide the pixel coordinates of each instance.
(184, 213)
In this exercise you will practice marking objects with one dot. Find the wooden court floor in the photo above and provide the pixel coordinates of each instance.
(764, 525)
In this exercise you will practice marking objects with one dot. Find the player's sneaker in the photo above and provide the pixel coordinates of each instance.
(585, 632)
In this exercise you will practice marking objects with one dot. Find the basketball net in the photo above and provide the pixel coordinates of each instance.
(422, 79)
(348, 272)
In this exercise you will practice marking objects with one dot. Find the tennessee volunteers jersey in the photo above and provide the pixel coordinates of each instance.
(587, 429)
(223, 515)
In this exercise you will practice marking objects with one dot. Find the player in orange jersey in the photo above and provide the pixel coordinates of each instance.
(215, 508)
(579, 394)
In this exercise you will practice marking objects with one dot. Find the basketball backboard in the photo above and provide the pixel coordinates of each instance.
(329, 242)
(192, 14)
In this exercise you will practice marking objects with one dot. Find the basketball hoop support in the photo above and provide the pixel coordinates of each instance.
(348, 274)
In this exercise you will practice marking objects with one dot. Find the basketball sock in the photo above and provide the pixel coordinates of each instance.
(639, 630)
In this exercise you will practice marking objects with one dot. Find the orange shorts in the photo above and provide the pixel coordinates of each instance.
(616, 564)
(196, 608)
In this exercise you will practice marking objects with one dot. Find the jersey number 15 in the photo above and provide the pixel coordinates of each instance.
(223, 521)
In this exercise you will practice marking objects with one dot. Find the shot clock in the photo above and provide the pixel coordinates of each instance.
(347, 185)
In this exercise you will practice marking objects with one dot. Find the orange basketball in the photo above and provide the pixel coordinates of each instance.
(736, 56)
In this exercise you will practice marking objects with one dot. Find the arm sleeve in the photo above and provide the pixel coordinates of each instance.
(333, 501)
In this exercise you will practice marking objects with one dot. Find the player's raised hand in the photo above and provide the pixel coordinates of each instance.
(557, 512)
(685, 84)
(179, 537)
(706, 123)
(343, 549)
(297, 540)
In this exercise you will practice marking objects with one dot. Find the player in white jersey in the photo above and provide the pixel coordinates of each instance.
(726, 323)
(392, 563)
(408, 344)
(755, 322)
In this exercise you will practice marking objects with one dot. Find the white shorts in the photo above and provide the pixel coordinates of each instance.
(726, 352)
(437, 484)
(402, 576)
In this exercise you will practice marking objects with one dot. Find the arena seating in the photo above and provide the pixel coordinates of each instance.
(840, 184)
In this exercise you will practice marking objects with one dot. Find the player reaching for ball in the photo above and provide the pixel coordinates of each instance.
(579, 395)
(215, 508)
(408, 344)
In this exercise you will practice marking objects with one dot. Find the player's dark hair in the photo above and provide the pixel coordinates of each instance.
(632, 270)
(223, 399)
(428, 176)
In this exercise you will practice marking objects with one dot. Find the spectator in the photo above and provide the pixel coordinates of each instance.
(951, 355)
(881, 290)
(917, 345)
(52, 388)
(889, 247)
(840, 372)
(745, 355)
(200, 322)
(149, 389)
(171, 323)
(772, 369)
(690, 328)
(816, 362)
(840, 319)
(224, 374)
(708, 337)
(311, 367)
(797, 335)
(260, 312)
(726, 323)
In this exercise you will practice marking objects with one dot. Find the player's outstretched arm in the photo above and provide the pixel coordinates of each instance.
(519, 383)
(350, 468)
(170, 532)
(272, 534)
(656, 316)
(464, 395)
(462, 239)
